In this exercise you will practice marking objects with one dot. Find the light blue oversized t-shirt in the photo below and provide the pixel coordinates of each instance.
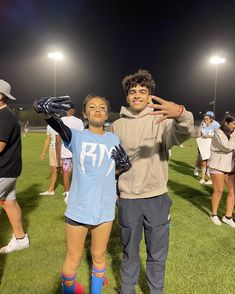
(92, 193)
(209, 130)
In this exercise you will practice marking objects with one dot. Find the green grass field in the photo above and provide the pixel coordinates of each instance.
(201, 256)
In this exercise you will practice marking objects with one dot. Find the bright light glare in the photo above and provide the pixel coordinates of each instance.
(217, 60)
(56, 55)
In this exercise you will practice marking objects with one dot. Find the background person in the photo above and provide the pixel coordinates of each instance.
(215, 125)
(10, 169)
(222, 169)
(206, 134)
(26, 128)
(64, 155)
(198, 160)
(147, 132)
(49, 144)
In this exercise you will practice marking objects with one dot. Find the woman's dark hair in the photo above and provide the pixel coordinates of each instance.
(87, 99)
(141, 77)
(91, 96)
(227, 119)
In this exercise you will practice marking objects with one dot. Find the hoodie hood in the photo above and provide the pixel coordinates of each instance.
(126, 112)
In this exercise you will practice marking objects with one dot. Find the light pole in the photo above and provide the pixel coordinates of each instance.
(56, 56)
(216, 60)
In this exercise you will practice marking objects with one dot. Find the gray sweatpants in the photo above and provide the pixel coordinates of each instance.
(152, 214)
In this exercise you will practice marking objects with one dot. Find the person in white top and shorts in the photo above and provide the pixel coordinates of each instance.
(64, 155)
(222, 170)
(49, 143)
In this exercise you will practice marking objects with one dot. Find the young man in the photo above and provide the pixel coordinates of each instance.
(147, 132)
(64, 155)
(10, 169)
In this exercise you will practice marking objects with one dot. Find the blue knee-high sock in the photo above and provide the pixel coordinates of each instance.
(97, 280)
(70, 285)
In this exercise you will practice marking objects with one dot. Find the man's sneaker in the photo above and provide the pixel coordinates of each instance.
(202, 181)
(229, 222)
(16, 244)
(209, 182)
(47, 193)
(215, 220)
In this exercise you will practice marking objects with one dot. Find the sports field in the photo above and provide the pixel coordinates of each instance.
(201, 255)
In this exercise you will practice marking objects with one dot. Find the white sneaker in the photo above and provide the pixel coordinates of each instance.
(202, 181)
(47, 193)
(229, 222)
(16, 244)
(66, 198)
(209, 182)
(208, 173)
(196, 172)
(215, 220)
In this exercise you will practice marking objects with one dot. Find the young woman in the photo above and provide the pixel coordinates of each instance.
(222, 169)
(92, 196)
(206, 132)
(214, 125)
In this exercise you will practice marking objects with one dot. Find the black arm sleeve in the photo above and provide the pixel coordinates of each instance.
(57, 124)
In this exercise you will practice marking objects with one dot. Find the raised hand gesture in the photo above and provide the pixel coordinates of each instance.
(167, 108)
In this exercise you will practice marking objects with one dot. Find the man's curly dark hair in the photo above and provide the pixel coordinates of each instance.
(142, 77)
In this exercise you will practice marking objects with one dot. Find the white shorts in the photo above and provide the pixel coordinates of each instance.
(52, 157)
(219, 172)
(7, 188)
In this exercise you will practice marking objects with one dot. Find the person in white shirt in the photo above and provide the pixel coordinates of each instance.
(64, 155)
(26, 128)
(49, 143)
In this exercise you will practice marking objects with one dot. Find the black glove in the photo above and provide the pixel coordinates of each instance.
(121, 158)
(52, 105)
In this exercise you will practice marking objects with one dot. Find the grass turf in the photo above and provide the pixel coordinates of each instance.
(201, 255)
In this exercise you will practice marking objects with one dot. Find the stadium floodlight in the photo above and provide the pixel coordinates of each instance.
(216, 60)
(56, 56)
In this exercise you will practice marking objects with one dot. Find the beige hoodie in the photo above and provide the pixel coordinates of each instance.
(147, 145)
(222, 152)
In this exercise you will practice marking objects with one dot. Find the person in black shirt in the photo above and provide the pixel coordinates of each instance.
(10, 169)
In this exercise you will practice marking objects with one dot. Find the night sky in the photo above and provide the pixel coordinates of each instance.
(105, 40)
